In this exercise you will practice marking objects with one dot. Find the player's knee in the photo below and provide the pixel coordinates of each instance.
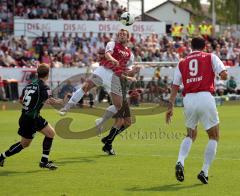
(214, 136)
(192, 135)
(52, 133)
(85, 87)
(118, 105)
(118, 122)
(25, 144)
(213, 133)
(127, 123)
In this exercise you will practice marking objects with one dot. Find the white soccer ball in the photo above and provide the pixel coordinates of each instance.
(127, 19)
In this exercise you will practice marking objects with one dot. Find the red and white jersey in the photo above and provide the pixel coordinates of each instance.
(197, 72)
(122, 54)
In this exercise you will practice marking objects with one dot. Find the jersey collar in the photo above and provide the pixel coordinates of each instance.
(195, 51)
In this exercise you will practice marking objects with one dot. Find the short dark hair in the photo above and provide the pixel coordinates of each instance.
(198, 43)
(42, 70)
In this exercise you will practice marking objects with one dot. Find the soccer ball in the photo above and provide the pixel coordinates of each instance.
(127, 19)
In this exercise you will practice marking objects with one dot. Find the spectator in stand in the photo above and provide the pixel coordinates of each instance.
(134, 97)
(136, 90)
(140, 83)
(157, 73)
(2, 63)
(170, 55)
(161, 86)
(191, 30)
(141, 87)
(209, 31)
(167, 82)
(217, 51)
(203, 30)
(2, 91)
(175, 31)
(66, 91)
(151, 89)
(231, 85)
(46, 58)
(8, 60)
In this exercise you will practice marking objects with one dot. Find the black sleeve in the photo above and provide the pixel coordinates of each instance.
(44, 89)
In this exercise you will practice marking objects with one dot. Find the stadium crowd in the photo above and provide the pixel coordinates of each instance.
(76, 50)
(69, 10)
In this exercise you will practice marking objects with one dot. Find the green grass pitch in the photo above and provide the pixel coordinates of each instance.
(144, 165)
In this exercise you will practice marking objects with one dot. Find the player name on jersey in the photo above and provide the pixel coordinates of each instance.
(196, 79)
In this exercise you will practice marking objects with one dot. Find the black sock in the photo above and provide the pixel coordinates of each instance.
(14, 149)
(47, 144)
(1, 157)
(121, 129)
(112, 135)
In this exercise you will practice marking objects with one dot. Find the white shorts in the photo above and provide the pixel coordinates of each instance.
(107, 78)
(200, 107)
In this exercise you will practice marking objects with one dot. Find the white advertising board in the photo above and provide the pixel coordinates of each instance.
(34, 28)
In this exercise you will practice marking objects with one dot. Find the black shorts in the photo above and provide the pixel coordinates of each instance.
(29, 126)
(124, 112)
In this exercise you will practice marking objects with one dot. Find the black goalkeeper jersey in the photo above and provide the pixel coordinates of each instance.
(33, 97)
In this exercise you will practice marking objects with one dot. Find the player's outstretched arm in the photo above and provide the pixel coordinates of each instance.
(54, 101)
(135, 69)
(172, 99)
(131, 79)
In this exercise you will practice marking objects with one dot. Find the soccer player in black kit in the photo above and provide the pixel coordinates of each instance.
(34, 96)
(122, 121)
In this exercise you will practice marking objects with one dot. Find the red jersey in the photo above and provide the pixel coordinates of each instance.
(197, 72)
(121, 53)
(1, 83)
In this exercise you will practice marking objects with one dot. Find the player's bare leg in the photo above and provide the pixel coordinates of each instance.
(49, 134)
(210, 153)
(183, 152)
(127, 123)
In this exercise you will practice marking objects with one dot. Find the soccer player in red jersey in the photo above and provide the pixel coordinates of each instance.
(118, 57)
(197, 72)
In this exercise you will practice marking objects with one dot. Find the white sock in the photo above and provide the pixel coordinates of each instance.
(4, 155)
(184, 149)
(210, 152)
(76, 97)
(109, 113)
(112, 109)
